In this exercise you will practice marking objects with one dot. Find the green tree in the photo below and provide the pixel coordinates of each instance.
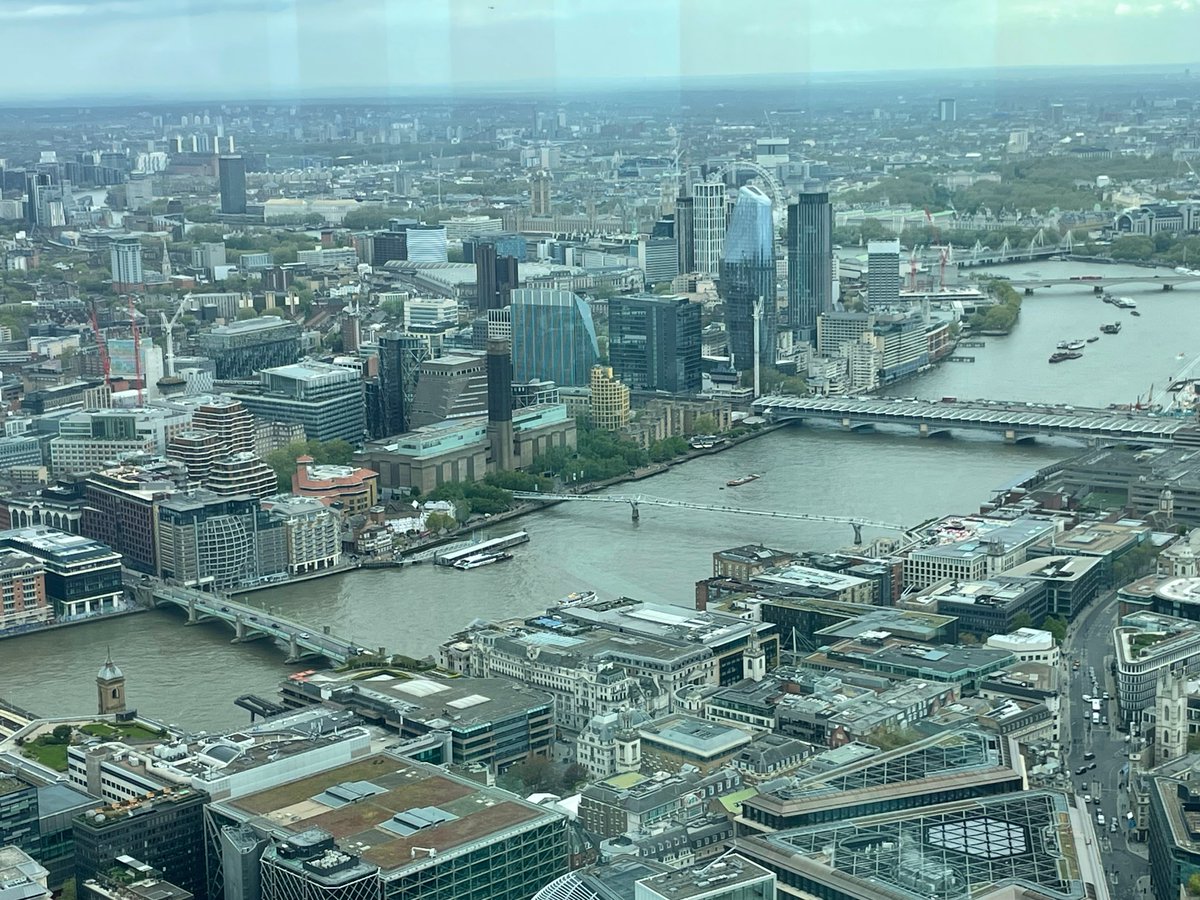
(704, 424)
(438, 522)
(1134, 248)
(199, 214)
(1056, 626)
(1022, 620)
(1193, 882)
(62, 734)
(247, 312)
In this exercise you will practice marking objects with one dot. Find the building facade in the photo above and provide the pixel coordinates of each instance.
(654, 343)
(553, 337)
(809, 263)
(748, 279)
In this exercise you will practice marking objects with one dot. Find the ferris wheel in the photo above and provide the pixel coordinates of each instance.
(767, 182)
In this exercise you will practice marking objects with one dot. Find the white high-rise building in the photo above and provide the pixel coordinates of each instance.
(125, 254)
(708, 225)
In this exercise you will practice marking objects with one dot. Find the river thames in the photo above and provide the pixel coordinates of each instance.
(192, 674)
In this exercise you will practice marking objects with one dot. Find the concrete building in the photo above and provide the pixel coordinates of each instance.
(125, 258)
(654, 342)
(490, 722)
(993, 606)
(96, 439)
(1072, 582)
(21, 876)
(426, 833)
(793, 580)
(1147, 646)
(82, 577)
(454, 386)
(326, 399)
(461, 450)
(609, 408)
(311, 531)
(1028, 645)
(972, 549)
(883, 273)
(429, 312)
(209, 541)
(23, 592)
(350, 489)
(241, 474)
(708, 226)
(240, 349)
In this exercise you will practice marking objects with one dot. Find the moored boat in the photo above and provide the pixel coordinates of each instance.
(481, 559)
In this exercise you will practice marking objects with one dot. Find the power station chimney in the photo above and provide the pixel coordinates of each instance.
(500, 426)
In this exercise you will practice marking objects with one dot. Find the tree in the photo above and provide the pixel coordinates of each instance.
(1193, 884)
(247, 312)
(1056, 626)
(535, 773)
(61, 734)
(1022, 620)
(573, 775)
(704, 424)
(437, 522)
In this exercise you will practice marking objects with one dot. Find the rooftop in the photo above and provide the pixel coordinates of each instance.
(58, 546)
(726, 873)
(961, 850)
(697, 737)
(385, 806)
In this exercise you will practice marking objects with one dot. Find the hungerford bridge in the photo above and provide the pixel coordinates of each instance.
(1013, 421)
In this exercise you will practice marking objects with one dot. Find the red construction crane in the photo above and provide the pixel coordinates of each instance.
(137, 350)
(101, 346)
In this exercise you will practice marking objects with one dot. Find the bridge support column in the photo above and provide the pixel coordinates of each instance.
(634, 512)
(857, 533)
(293, 649)
(847, 424)
(1010, 436)
(923, 429)
(239, 628)
(192, 618)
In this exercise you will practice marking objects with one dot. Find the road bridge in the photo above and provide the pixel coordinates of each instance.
(637, 501)
(251, 623)
(1014, 421)
(1098, 283)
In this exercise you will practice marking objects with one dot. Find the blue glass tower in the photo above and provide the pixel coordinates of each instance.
(553, 337)
(748, 273)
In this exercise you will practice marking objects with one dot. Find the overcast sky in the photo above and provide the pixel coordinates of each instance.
(265, 48)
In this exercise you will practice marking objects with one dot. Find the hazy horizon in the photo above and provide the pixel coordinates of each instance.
(275, 49)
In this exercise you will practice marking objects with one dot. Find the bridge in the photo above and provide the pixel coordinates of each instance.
(1098, 283)
(639, 500)
(251, 623)
(1015, 421)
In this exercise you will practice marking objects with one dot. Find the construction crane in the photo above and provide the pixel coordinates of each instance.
(137, 351)
(101, 346)
(169, 333)
(943, 251)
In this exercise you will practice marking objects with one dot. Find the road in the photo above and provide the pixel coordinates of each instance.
(1090, 641)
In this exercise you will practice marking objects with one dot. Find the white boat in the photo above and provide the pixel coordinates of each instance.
(577, 598)
(481, 559)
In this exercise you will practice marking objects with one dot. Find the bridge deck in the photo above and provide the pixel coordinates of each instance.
(1021, 418)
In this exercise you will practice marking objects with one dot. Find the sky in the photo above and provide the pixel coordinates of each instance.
(275, 48)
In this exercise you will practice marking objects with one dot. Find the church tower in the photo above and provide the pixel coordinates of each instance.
(754, 658)
(110, 688)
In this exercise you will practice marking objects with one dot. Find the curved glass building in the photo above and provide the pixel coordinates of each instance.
(748, 273)
(553, 337)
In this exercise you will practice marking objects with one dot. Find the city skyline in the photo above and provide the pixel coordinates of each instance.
(291, 48)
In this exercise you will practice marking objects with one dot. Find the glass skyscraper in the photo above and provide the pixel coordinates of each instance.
(231, 173)
(553, 337)
(810, 263)
(748, 273)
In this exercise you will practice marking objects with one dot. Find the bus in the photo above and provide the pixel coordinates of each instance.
(1096, 704)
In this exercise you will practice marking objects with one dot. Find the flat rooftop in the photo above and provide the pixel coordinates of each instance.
(694, 736)
(797, 576)
(438, 702)
(727, 873)
(390, 805)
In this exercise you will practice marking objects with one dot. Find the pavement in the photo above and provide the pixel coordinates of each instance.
(1089, 639)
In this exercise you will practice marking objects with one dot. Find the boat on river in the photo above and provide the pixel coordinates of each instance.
(1114, 328)
(481, 559)
(1063, 356)
(745, 479)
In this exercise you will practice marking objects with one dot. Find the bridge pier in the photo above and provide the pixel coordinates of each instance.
(192, 619)
(857, 533)
(293, 649)
(634, 512)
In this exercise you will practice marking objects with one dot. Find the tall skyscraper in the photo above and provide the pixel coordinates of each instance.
(125, 255)
(495, 276)
(400, 358)
(948, 110)
(708, 225)
(553, 337)
(810, 263)
(685, 233)
(388, 245)
(883, 273)
(654, 342)
(748, 274)
(231, 172)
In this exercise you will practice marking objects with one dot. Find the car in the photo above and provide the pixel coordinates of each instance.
(304, 635)
(1089, 755)
(1083, 788)
(1092, 766)
(1087, 698)
(1104, 720)
(1112, 826)
(1106, 697)
(1081, 770)
(1087, 798)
